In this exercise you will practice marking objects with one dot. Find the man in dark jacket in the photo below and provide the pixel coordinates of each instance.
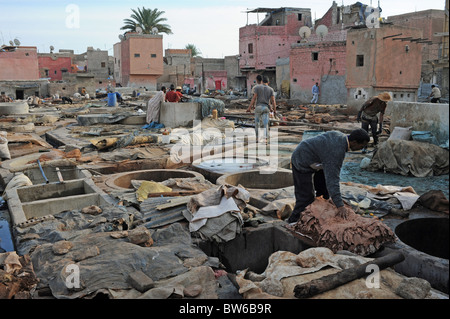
(316, 168)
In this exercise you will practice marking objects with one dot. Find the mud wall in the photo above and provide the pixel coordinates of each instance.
(431, 117)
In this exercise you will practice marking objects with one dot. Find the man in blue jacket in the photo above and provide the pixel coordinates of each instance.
(316, 167)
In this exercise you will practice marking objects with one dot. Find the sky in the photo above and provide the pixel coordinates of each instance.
(211, 25)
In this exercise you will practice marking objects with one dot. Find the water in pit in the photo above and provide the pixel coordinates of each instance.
(352, 172)
(6, 243)
(234, 165)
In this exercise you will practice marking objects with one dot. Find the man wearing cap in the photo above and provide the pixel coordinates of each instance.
(179, 94)
(368, 114)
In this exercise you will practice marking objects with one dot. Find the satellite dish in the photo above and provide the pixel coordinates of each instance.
(304, 32)
(138, 29)
(11, 43)
(155, 30)
(16, 41)
(321, 31)
(121, 37)
(52, 48)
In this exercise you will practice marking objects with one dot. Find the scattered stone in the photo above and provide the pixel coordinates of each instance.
(140, 235)
(413, 288)
(85, 254)
(119, 234)
(61, 247)
(92, 210)
(272, 287)
(192, 291)
(140, 281)
(97, 221)
(195, 261)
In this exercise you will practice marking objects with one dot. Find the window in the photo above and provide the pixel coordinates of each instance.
(64, 70)
(137, 55)
(46, 72)
(360, 60)
(299, 17)
(250, 48)
(153, 55)
(315, 56)
(56, 72)
(103, 65)
(277, 22)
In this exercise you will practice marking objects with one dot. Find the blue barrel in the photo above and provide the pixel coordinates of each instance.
(112, 99)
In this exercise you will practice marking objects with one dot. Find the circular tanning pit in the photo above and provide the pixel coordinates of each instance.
(428, 235)
(255, 179)
(123, 180)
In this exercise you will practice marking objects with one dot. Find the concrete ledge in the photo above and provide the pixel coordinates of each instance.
(48, 199)
(179, 114)
(433, 117)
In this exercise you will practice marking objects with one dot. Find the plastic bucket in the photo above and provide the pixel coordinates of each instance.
(112, 99)
(165, 139)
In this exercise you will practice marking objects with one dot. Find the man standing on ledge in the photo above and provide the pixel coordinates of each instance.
(316, 167)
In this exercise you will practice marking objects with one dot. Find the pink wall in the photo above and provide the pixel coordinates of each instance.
(21, 64)
(47, 62)
(213, 76)
(269, 43)
(307, 71)
(395, 66)
(146, 64)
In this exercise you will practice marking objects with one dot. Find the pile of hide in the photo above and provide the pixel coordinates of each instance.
(357, 234)
(410, 158)
(215, 214)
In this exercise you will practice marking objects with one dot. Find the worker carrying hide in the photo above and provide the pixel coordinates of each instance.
(368, 114)
(316, 166)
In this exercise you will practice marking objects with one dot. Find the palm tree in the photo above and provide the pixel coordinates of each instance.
(194, 50)
(146, 19)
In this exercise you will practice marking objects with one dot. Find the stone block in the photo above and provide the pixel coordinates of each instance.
(140, 281)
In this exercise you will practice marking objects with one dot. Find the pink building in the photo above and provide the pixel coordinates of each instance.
(216, 80)
(262, 44)
(53, 66)
(18, 63)
(138, 60)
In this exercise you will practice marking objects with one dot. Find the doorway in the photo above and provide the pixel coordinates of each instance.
(19, 95)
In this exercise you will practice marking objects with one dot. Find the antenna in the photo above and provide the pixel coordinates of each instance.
(138, 29)
(321, 31)
(11, 43)
(304, 32)
(16, 41)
